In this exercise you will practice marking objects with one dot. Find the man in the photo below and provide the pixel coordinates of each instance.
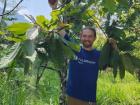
(83, 72)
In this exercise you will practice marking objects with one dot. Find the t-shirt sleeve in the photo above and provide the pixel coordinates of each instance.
(67, 37)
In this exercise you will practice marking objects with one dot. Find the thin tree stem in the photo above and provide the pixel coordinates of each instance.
(4, 8)
(12, 9)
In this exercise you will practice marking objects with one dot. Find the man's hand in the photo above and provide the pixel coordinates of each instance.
(62, 32)
(113, 43)
(61, 29)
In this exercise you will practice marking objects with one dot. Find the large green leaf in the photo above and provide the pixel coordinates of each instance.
(55, 14)
(104, 59)
(68, 52)
(121, 68)
(135, 61)
(19, 28)
(128, 63)
(72, 45)
(110, 5)
(55, 52)
(42, 21)
(124, 3)
(114, 62)
(6, 60)
(117, 33)
(16, 39)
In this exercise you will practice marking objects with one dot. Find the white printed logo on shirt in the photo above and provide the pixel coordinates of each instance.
(81, 61)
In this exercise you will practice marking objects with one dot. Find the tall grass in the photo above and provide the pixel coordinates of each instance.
(109, 92)
(118, 92)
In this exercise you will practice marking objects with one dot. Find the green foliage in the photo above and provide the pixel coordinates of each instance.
(118, 61)
(110, 5)
(121, 68)
(118, 92)
(128, 63)
(79, 14)
(16, 39)
(124, 3)
(55, 15)
(110, 57)
(105, 55)
(17, 32)
(42, 21)
(1, 33)
(19, 28)
(114, 62)
(58, 52)
(72, 45)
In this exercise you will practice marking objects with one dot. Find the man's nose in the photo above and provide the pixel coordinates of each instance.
(87, 38)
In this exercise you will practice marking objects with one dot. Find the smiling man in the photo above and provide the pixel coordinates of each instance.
(83, 72)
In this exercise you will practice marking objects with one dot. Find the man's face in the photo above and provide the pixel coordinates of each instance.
(87, 38)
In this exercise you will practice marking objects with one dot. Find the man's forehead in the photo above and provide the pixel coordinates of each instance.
(87, 32)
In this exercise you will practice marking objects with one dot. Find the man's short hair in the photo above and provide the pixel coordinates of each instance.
(89, 28)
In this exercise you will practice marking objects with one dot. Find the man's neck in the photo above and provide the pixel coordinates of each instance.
(88, 49)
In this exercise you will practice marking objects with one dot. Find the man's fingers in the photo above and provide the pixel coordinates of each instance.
(113, 43)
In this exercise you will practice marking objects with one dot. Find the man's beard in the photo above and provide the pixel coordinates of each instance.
(87, 44)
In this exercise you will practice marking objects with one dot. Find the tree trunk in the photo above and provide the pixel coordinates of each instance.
(63, 77)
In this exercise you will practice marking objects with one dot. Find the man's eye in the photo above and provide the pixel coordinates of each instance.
(84, 35)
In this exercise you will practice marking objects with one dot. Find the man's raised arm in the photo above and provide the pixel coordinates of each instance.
(63, 33)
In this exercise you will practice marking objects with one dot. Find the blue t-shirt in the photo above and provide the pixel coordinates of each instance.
(83, 74)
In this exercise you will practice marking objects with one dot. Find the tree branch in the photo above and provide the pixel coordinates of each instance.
(98, 25)
(51, 68)
(4, 8)
(13, 8)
